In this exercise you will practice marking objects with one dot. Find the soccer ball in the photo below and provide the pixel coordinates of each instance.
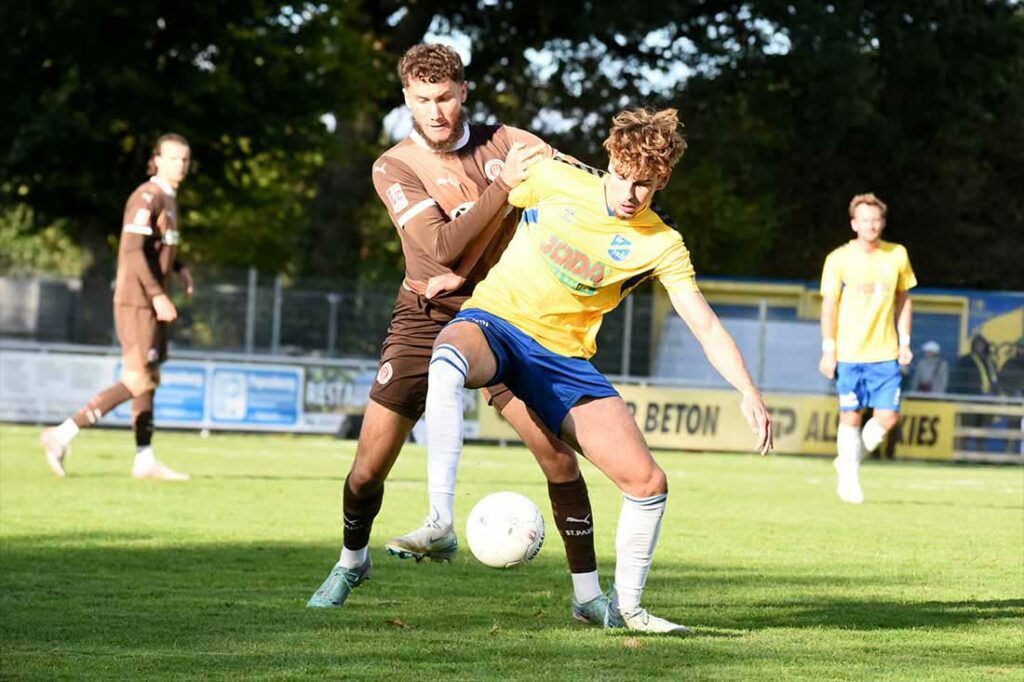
(505, 530)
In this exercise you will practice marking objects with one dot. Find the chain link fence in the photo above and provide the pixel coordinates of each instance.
(244, 311)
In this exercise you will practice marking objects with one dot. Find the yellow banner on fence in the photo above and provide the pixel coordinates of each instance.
(707, 419)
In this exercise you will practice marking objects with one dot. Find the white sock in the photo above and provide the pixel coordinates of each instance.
(635, 540)
(66, 431)
(445, 381)
(353, 558)
(144, 457)
(849, 446)
(585, 586)
(442, 508)
(872, 436)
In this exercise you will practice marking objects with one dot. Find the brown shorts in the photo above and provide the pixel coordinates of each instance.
(143, 338)
(401, 383)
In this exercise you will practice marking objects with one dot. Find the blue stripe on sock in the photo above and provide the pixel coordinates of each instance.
(449, 362)
(458, 355)
(652, 501)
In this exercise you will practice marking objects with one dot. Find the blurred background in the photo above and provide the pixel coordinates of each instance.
(790, 109)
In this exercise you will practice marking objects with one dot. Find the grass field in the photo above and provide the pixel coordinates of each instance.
(106, 577)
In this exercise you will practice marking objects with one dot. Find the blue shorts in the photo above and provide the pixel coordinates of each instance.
(868, 384)
(550, 384)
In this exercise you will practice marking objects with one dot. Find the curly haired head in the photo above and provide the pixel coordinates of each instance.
(431, 63)
(645, 144)
(871, 200)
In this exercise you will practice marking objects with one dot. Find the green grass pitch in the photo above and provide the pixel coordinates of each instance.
(104, 577)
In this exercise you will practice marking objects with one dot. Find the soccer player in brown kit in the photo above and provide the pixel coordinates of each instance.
(446, 188)
(142, 310)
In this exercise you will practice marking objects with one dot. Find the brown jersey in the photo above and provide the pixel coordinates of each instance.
(450, 208)
(149, 241)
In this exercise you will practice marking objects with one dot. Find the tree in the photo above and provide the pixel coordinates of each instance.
(90, 85)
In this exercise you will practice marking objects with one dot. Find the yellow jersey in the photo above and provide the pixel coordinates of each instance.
(571, 260)
(866, 284)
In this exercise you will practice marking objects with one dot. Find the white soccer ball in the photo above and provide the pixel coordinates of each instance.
(505, 530)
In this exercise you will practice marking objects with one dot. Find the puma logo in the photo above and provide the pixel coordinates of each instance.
(450, 180)
(381, 169)
(573, 519)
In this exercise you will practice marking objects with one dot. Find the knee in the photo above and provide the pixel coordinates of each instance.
(652, 482)
(448, 368)
(139, 382)
(363, 481)
(888, 420)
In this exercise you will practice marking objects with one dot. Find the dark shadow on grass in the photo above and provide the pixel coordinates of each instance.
(281, 575)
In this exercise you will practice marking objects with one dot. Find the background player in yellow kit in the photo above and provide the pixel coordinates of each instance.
(586, 239)
(865, 336)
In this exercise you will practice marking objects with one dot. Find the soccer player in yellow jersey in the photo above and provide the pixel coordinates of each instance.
(585, 240)
(865, 336)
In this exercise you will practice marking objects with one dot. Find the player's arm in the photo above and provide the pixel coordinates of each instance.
(904, 308)
(185, 275)
(724, 355)
(831, 289)
(829, 315)
(415, 212)
(519, 163)
(137, 226)
(675, 271)
(904, 312)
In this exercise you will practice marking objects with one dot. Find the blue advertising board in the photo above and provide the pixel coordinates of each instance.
(180, 400)
(255, 396)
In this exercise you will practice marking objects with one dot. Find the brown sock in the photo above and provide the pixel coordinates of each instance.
(570, 505)
(358, 514)
(142, 424)
(100, 404)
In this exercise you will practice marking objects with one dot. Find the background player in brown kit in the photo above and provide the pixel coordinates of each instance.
(446, 188)
(142, 310)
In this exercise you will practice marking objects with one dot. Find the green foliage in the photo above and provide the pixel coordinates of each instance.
(209, 578)
(791, 108)
(90, 86)
(27, 248)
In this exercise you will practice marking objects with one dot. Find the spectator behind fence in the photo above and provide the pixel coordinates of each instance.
(931, 372)
(975, 373)
(1011, 376)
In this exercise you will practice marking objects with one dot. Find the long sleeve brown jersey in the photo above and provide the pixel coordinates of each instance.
(450, 208)
(149, 242)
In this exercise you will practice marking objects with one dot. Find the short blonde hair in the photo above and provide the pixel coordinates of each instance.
(645, 144)
(431, 63)
(871, 200)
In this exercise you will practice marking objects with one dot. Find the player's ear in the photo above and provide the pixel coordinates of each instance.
(405, 96)
(664, 182)
(463, 92)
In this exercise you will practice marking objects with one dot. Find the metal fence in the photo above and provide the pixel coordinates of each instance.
(244, 311)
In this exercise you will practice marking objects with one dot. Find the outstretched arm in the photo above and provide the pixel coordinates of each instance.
(904, 311)
(725, 356)
(829, 308)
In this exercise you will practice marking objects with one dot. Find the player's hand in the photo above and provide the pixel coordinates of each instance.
(187, 281)
(438, 284)
(760, 421)
(519, 161)
(906, 355)
(164, 307)
(827, 365)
